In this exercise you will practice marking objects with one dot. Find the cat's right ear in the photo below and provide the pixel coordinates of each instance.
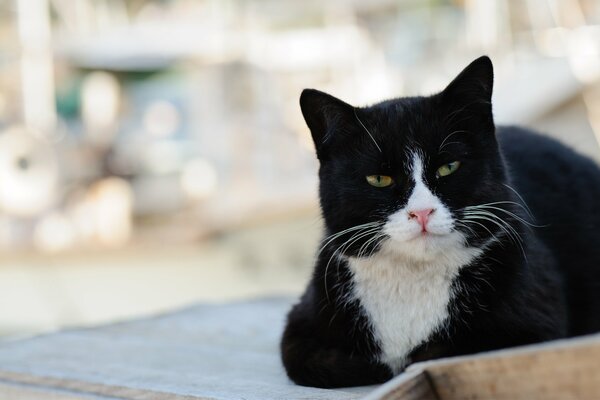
(474, 83)
(323, 113)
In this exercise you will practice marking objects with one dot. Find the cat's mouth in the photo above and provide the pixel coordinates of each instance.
(427, 236)
(418, 236)
(425, 244)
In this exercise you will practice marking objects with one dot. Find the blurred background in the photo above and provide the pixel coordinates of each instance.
(153, 153)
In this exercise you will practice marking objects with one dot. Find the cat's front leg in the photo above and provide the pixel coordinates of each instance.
(321, 350)
(309, 364)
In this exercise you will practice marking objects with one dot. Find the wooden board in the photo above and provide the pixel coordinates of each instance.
(565, 369)
(14, 391)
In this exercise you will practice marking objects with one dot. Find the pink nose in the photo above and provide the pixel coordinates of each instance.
(422, 217)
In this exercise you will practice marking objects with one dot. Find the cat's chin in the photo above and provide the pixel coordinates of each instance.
(424, 247)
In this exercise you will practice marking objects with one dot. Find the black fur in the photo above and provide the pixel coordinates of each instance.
(542, 288)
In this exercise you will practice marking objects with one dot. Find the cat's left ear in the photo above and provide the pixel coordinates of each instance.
(324, 115)
(472, 88)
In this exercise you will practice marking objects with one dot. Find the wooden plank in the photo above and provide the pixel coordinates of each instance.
(413, 385)
(25, 392)
(69, 389)
(565, 369)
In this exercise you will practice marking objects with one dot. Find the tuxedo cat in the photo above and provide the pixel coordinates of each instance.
(444, 235)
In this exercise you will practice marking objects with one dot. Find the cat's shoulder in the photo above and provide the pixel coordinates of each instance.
(515, 138)
(527, 148)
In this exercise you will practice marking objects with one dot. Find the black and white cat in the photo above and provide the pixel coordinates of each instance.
(445, 235)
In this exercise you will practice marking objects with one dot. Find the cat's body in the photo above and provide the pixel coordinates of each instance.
(500, 252)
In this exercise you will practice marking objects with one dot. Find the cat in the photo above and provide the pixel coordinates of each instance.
(444, 235)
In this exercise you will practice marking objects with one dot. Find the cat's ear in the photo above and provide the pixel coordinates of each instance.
(473, 86)
(323, 113)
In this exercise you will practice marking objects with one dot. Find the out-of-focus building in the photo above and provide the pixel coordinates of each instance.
(192, 105)
(169, 122)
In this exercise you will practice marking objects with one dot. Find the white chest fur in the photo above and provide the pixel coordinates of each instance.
(404, 301)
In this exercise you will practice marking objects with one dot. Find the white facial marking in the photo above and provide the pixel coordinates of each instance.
(407, 233)
(406, 286)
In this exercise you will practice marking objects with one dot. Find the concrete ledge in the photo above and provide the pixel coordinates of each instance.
(230, 351)
(225, 351)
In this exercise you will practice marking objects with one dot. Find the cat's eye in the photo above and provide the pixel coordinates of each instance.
(380, 180)
(447, 169)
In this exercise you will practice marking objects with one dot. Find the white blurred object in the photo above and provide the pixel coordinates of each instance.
(28, 174)
(199, 179)
(54, 232)
(37, 70)
(100, 106)
(161, 119)
(305, 49)
(104, 216)
(584, 53)
(591, 98)
(3, 106)
(484, 22)
(162, 157)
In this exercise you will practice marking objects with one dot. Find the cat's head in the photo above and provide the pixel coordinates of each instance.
(399, 174)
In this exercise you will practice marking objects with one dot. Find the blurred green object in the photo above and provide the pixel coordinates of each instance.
(68, 97)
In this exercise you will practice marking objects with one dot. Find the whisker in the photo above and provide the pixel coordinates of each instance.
(460, 224)
(353, 227)
(513, 231)
(499, 221)
(369, 133)
(483, 226)
(449, 118)
(500, 202)
(447, 138)
(366, 245)
(505, 226)
(520, 198)
(515, 216)
(356, 236)
(334, 236)
(380, 237)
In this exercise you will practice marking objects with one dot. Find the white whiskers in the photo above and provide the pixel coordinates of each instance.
(369, 133)
(485, 212)
(520, 198)
(358, 232)
(444, 144)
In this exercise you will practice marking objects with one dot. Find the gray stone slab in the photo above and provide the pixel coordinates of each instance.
(227, 351)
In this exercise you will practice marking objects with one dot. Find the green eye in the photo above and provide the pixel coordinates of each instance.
(447, 169)
(379, 180)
